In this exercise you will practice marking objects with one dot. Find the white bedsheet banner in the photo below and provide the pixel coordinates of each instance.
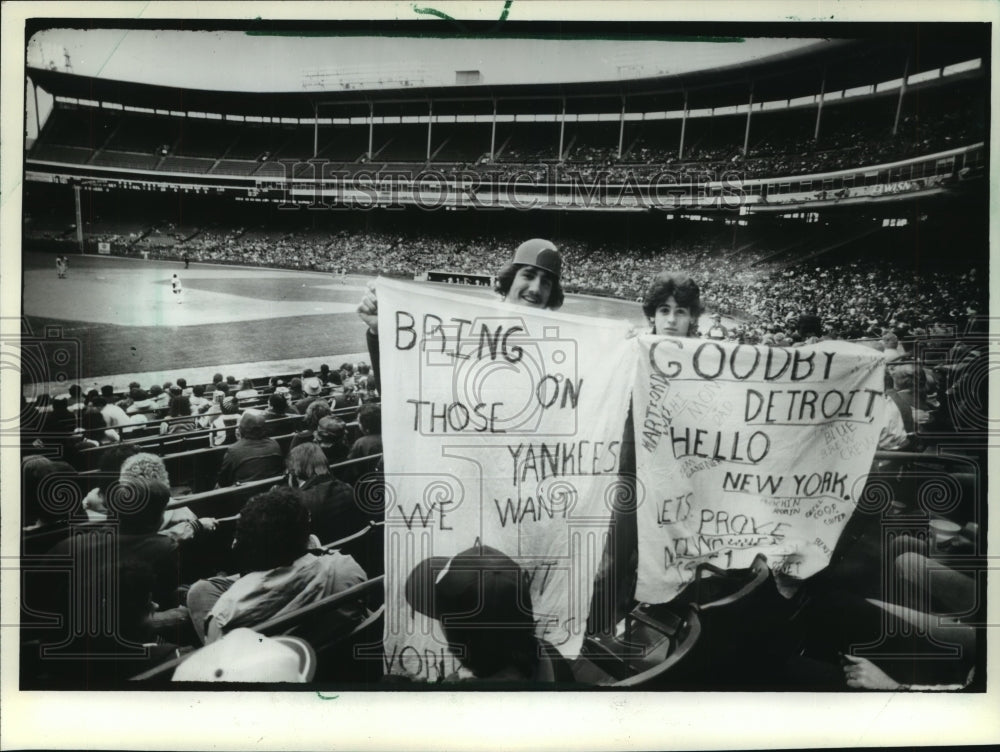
(504, 426)
(746, 449)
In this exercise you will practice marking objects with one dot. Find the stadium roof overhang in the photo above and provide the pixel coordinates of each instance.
(829, 65)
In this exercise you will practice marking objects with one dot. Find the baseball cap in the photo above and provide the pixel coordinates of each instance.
(541, 253)
(479, 587)
(246, 656)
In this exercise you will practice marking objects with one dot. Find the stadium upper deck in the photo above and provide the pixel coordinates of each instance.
(914, 108)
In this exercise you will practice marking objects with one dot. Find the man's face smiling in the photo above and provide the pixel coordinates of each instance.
(531, 287)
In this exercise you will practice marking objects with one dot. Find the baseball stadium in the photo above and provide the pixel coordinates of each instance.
(215, 446)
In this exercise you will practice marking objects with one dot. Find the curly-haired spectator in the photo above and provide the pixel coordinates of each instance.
(278, 574)
(179, 523)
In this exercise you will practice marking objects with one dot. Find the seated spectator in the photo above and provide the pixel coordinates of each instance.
(198, 401)
(277, 408)
(310, 421)
(347, 375)
(113, 415)
(716, 330)
(364, 379)
(226, 422)
(138, 503)
(49, 492)
(246, 390)
(331, 436)
(370, 441)
(254, 456)
(311, 387)
(277, 573)
(181, 419)
(482, 600)
(158, 400)
(93, 432)
(76, 401)
(179, 523)
(295, 392)
(113, 656)
(58, 423)
(330, 502)
(109, 471)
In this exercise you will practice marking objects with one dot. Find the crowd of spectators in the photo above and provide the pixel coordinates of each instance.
(278, 562)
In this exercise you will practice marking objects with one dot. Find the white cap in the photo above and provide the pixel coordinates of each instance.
(246, 656)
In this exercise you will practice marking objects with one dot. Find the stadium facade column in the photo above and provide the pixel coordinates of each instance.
(79, 218)
(371, 127)
(562, 128)
(430, 117)
(493, 129)
(621, 129)
(315, 130)
(684, 120)
(819, 109)
(902, 92)
(746, 134)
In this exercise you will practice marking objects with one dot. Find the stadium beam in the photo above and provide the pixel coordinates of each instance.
(819, 109)
(902, 92)
(684, 120)
(746, 134)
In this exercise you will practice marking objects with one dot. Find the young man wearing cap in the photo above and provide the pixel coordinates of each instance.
(531, 279)
(482, 600)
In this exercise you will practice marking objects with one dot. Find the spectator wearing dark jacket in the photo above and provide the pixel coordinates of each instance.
(254, 456)
(330, 502)
(370, 442)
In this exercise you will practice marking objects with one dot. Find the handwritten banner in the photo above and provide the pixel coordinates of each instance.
(745, 449)
(506, 429)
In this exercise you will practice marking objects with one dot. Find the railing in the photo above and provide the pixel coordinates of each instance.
(624, 188)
